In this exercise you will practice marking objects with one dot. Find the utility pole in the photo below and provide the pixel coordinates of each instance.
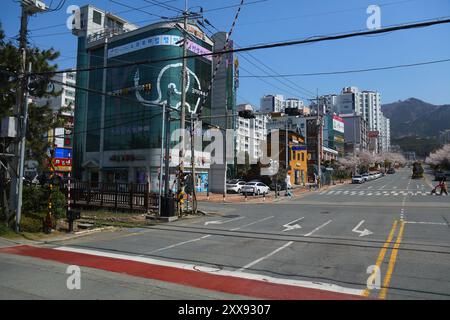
(319, 143)
(163, 132)
(183, 97)
(22, 144)
(21, 89)
(194, 194)
(29, 7)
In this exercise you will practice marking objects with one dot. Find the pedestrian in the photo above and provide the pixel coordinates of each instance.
(288, 186)
(443, 187)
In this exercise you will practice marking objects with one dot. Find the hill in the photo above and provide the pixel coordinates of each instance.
(414, 117)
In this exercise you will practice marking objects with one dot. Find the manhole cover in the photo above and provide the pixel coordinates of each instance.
(231, 216)
(208, 269)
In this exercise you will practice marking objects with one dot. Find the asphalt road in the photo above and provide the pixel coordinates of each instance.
(323, 240)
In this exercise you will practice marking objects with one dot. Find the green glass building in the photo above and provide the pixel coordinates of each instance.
(118, 135)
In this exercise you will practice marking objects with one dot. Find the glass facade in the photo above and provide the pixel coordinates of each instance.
(132, 109)
(81, 108)
(133, 122)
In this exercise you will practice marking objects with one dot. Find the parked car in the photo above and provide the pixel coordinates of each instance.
(235, 185)
(358, 179)
(378, 175)
(255, 188)
(372, 176)
(365, 176)
(391, 171)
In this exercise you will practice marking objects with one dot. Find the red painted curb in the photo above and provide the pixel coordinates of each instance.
(227, 284)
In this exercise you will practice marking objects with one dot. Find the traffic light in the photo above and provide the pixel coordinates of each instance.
(246, 114)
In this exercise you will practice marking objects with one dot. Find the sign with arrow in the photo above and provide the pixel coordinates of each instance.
(290, 226)
(362, 233)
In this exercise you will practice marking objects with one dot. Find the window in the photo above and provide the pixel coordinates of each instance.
(97, 17)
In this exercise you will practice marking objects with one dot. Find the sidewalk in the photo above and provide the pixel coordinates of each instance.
(297, 191)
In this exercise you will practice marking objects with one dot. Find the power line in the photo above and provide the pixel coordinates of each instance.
(234, 6)
(164, 5)
(308, 92)
(114, 13)
(140, 10)
(347, 71)
(411, 26)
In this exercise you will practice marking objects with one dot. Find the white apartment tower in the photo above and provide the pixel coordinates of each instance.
(250, 133)
(362, 103)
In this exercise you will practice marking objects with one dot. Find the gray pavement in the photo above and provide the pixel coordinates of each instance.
(330, 236)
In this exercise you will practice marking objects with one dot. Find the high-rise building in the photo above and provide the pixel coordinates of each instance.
(251, 133)
(277, 103)
(223, 106)
(272, 103)
(366, 104)
(118, 133)
(356, 138)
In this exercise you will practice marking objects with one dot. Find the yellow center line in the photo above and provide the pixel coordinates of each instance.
(392, 261)
(382, 253)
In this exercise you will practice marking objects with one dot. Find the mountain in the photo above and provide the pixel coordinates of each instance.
(414, 117)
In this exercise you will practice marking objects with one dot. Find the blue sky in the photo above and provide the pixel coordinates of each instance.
(276, 20)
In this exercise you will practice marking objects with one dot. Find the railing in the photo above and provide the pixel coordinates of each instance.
(117, 196)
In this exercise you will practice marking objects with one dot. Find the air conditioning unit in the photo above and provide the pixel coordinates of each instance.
(9, 127)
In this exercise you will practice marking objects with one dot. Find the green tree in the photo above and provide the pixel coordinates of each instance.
(41, 118)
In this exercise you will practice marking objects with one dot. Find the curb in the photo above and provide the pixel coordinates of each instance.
(75, 235)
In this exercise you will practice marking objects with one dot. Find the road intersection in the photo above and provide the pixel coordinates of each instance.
(330, 241)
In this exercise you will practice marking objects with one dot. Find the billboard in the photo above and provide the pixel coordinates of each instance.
(63, 153)
(373, 134)
(338, 124)
(62, 164)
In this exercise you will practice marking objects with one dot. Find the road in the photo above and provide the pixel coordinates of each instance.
(321, 245)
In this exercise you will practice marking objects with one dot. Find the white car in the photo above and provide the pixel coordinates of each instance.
(358, 179)
(255, 188)
(235, 185)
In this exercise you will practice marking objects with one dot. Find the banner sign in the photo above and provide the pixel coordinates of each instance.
(338, 124)
(162, 40)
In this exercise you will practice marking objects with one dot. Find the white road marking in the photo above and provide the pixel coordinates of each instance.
(290, 227)
(223, 221)
(362, 233)
(298, 283)
(251, 264)
(428, 223)
(250, 224)
(318, 228)
(179, 244)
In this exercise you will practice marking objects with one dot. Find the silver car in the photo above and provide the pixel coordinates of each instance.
(255, 188)
(235, 185)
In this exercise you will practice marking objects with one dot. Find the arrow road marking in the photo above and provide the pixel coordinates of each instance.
(362, 233)
(222, 221)
(290, 227)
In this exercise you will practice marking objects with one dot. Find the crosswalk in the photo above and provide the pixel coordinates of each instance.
(377, 193)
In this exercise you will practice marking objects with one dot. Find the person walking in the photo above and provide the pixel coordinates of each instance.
(443, 187)
(288, 186)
